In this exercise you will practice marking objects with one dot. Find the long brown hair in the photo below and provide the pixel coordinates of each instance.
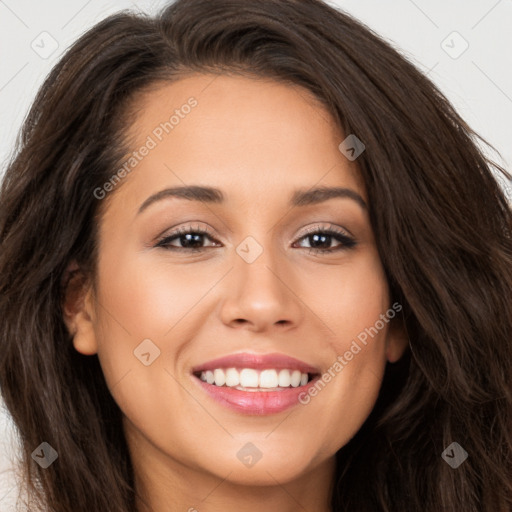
(442, 224)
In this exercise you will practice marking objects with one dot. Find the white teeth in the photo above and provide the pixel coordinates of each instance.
(220, 377)
(232, 377)
(295, 378)
(268, 379)
(250, 378)
(284, 379)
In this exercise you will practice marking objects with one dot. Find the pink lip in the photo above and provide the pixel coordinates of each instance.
(256, 402)
(258, 362)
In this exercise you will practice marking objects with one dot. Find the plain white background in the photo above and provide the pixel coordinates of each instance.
(464, 46)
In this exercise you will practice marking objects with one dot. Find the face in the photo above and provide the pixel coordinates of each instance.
(249, 316)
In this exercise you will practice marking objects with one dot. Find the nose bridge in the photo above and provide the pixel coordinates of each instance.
(259, 270)
(260, 288)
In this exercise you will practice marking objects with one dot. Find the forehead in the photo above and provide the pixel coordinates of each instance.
(249, 137)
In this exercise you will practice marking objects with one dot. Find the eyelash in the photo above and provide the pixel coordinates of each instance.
(347, 242)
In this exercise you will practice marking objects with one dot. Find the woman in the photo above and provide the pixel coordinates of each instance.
(252, 259)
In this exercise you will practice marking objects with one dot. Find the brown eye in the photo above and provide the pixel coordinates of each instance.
(191, 239)
(320, 240)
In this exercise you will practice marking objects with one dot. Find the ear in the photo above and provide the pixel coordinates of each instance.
(78, 309)
(397, 339)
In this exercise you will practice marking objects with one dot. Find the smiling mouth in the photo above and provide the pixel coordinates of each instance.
(251, 379)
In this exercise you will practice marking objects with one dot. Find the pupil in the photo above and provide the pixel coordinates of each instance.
(317, 237)
(189, 237)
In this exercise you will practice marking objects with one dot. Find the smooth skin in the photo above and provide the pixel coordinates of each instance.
(258, 141)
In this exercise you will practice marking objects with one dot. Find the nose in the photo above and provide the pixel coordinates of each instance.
(261, 295)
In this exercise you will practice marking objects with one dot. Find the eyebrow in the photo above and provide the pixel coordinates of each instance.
(215, 196)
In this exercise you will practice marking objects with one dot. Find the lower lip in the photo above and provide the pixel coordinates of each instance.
(255, 402)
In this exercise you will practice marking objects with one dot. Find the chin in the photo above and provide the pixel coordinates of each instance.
(268, 469)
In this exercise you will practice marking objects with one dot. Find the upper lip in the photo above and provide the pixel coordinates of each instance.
(257, 362)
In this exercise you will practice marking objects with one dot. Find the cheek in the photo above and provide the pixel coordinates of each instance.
(137, 303)
(349, 298)
(150, 299)
(352, 305)
(160, 302)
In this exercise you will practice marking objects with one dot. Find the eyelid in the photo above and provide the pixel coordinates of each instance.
(188, 228)
(326, 227)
